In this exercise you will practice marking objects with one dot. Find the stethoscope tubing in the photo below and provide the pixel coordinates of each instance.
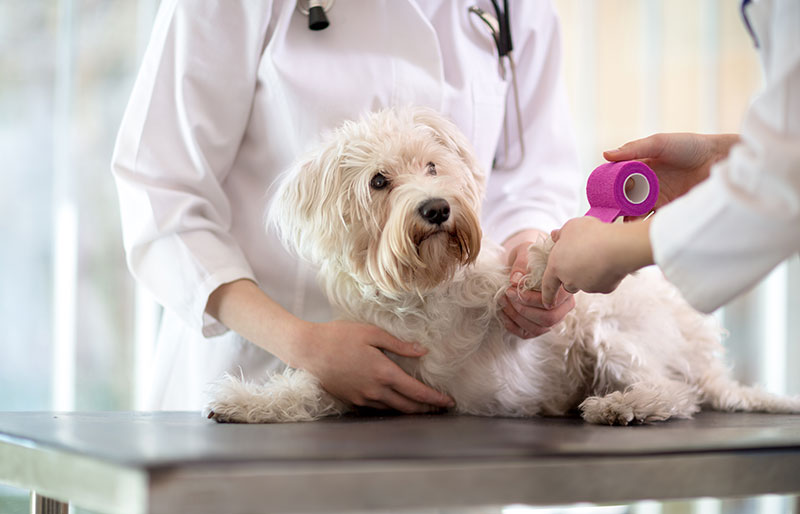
(500, 30)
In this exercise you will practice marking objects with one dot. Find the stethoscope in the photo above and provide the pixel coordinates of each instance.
(315, 10)
(747, 24)
(500, 30)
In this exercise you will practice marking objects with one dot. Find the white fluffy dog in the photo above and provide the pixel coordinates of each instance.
(388, 209)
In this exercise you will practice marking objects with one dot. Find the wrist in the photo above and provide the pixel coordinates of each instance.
(298, 350)
(634, 248)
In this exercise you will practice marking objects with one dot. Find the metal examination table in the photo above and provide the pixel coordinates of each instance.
(128, 462)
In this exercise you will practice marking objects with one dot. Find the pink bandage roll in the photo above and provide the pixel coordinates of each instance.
(626, 188)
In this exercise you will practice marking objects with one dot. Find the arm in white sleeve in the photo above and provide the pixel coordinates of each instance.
(178, 140)
(730, 231)
(543, 191)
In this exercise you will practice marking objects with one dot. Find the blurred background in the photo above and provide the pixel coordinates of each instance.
(77, 332)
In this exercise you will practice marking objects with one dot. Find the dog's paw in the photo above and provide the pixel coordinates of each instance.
(224, 414)
(538, 254)
(287, 397)
(613, 409)
(236, 401)
(603, 412)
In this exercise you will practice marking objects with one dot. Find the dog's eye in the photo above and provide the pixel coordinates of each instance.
(378, 181)
(431, 168)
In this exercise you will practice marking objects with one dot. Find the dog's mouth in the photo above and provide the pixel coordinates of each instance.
(435, 233)
(442, 245)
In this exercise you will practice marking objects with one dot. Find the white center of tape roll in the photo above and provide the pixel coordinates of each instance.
(637, 188)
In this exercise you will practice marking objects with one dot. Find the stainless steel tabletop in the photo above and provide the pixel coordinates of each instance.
(176, 461)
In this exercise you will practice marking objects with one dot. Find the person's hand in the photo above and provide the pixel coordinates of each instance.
(680, 160)
(523, 312)
(593, 256)
(347, 359)
(345, 356)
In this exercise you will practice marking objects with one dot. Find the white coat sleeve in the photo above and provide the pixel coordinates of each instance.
(543, 191)
(179, 136)
(726, 234)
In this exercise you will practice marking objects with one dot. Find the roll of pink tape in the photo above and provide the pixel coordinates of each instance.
(626, 188)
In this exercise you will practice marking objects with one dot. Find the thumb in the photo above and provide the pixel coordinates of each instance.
(550, 286)
(555, 234)
(519, 267)
(623, 153)
(390, 343)
(647, 147)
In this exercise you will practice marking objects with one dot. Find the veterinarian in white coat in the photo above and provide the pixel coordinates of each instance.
(230, 93)
(739, 222)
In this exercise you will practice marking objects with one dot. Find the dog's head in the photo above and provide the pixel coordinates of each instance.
(392, 199)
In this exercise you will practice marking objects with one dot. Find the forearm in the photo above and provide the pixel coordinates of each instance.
(244, 308)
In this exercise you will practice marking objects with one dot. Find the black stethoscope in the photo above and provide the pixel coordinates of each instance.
(315, 10)
(747, 25)
(499, 28)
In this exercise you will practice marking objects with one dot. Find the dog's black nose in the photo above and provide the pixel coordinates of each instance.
(435, 210)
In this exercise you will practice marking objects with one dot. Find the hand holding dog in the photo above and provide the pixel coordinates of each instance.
(348, 360)
(524, 313)
(345, 356)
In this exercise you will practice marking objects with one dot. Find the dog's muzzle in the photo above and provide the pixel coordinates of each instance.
(435, 210)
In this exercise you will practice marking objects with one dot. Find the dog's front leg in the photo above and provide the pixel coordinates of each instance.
(538, 253)
(294, 395)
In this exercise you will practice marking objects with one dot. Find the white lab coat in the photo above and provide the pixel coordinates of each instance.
(230, 93)
(728, 232)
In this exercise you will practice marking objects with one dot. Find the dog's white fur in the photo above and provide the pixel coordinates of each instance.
(640, 354)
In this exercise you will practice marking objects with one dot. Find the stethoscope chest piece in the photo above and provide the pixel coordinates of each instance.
(315, 10)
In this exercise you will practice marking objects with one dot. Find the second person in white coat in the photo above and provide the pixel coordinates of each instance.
(731, 204)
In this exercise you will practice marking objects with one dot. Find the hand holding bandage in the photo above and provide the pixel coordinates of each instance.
(592, 256)
(681, 161)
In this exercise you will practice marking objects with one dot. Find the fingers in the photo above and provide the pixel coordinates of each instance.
(385, 341)
(638, 149)
(512, 327)
(397, 401)
(518, 261)
(525, 298)
(526, 316)
(392, 388)
(392, 400)
(417, 392)
(522, 327)
(550, 285)
(375, 405)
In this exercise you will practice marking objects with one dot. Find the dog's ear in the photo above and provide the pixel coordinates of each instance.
(306, 208)
(449, 135)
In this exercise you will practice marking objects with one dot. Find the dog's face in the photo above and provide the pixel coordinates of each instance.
(393, 199)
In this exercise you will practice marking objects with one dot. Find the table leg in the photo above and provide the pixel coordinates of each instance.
(44, 505)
